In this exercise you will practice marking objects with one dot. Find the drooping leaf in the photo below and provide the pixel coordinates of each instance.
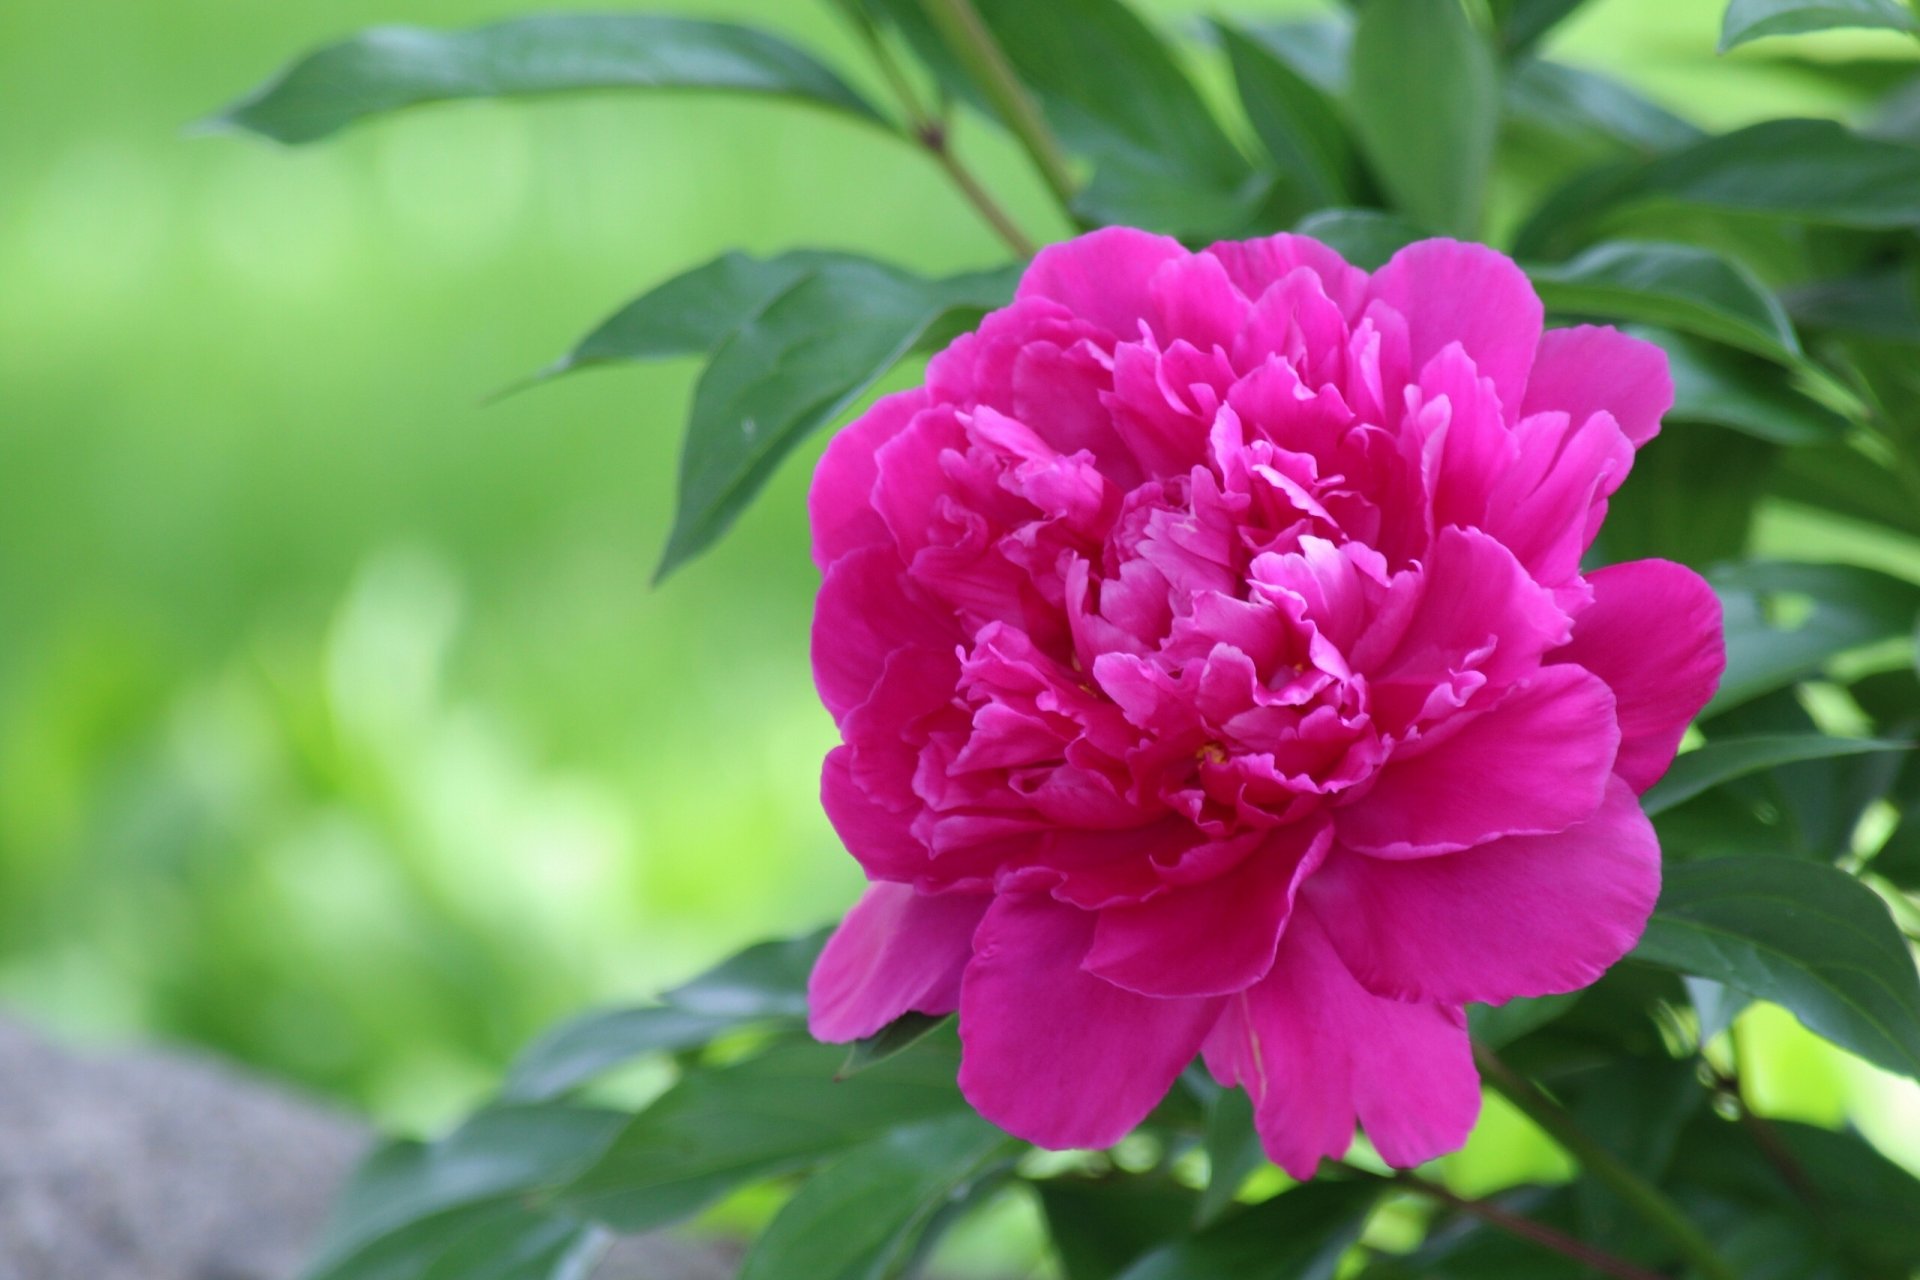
(412, 1204)
(865, 1217)
(778, 1111)
(1364, 237)
(1724, 759)
(1786, 620)
(579, 1050)
(388, 68)
(1299, 125)
(1425, 98)
(1881, 304)
(1100, 1226)
(897, 1036)
(792, 368)
(1677, 286)
(1574, 102)
(1801, 934)
(1298, 1235)
(1497, 1026)
(1751, 19)
(1732, 389)
(1233, 1153)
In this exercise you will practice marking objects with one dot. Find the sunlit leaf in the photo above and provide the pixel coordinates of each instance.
(1724, 759)
(388, 68)
(1728, 388)
(1751, 19)
(1801, 934)
(1785, 621)
(1678, 286)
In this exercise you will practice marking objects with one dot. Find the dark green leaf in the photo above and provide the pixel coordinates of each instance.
(1841, 478)
(792, 368)
(412, 1203)
(388, 68)
(1663, 509)
(778, 1111)
(1318, 49)
(500, 1239)
(1497, 1026)
(1364, 237)
(865, 1216)
(897, 1036)
(1724, 759)
(1751, 19)
(1678, 286)
(1157, 194)
(1522, 22)
(1572, 102)
(1298, 1235)
(1466, 1250)
(578, 1051)
(1426, 102)
(1801, 934)
(1298, 124)
(1727, 388)
(1636, 1108)
(1785, 621)
(767, 980)
(1100, 1226)
(1233, 1153)
(1883, 304)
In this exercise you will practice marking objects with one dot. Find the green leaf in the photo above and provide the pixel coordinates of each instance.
(1157, 194)
(389, 68)
(1497, 1026)
(1678, 286)
(1573, 102)
(1716, 1005)
(1521, 23)
(1233, 1153)
(1364, 237)
(1425, 98)
(793, 367)
(897, 1036)
(866, 1216)
(1881, 304)
(1100, 1226)
(1298, 1235)
(1724, 759)
(773, 1113)
(496, 1240)
(1731, 389)
(1635, 1108)
(1297, 123)
(767, 980)
(1785, 621)
(1801, 934)
(1751, 19)
(412, 1204)
(579, 1050)
(1663, 509)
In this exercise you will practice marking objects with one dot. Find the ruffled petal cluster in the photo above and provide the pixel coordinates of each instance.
(1217, 675)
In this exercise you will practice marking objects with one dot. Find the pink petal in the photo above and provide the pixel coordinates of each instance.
(1315, 1050)
(1213, 938)
(1589, 369)
(839, 502)
(1195, 302)
(1256, 265)
(1466, 293)
(1103, 276)
(867, 609)
(880, 838)
(1053, 1054)
(1534, 763)
(1523, 916)
(1653, 633)
(1474, 592)
(896, 952)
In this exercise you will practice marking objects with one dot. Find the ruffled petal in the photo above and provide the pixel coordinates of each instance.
(1524, 916)
(840, 500)
(1053, 1054)
(1470, 294)
(1104, 277)
(1589, 369)
(897, 951)
(1653, 633)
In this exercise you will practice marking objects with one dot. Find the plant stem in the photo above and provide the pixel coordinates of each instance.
(1764, 1135)
(1605, 1168)
(1516, 1225)
(930, 134)
(986, 62)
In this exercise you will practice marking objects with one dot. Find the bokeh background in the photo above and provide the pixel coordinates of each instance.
(340, 731)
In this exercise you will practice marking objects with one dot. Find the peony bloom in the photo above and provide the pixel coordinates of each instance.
(1217, 675)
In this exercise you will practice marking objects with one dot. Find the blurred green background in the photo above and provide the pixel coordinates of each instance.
(339, 729)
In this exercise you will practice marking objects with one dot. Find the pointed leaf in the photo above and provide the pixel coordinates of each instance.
(1801, 934)
(1364, 237)
(1785, 621)
(1426, 100)
(897, 1036)
(1233, 1153)
(1751, 19)
(1679, 286)
(767, 980)
(583, 1048)
(388, 68)
(1298, 1235)
(1725, 759)
(866, 1216)
(1731, 389)
(1100, 1226)
(792, 368)
(1574, 102)
(1298, 124)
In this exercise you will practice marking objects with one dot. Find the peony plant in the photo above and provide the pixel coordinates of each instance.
(1298, 666)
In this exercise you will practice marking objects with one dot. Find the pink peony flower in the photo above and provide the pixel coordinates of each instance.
(1217, 674)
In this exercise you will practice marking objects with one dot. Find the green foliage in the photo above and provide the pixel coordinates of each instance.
(1777, 264)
